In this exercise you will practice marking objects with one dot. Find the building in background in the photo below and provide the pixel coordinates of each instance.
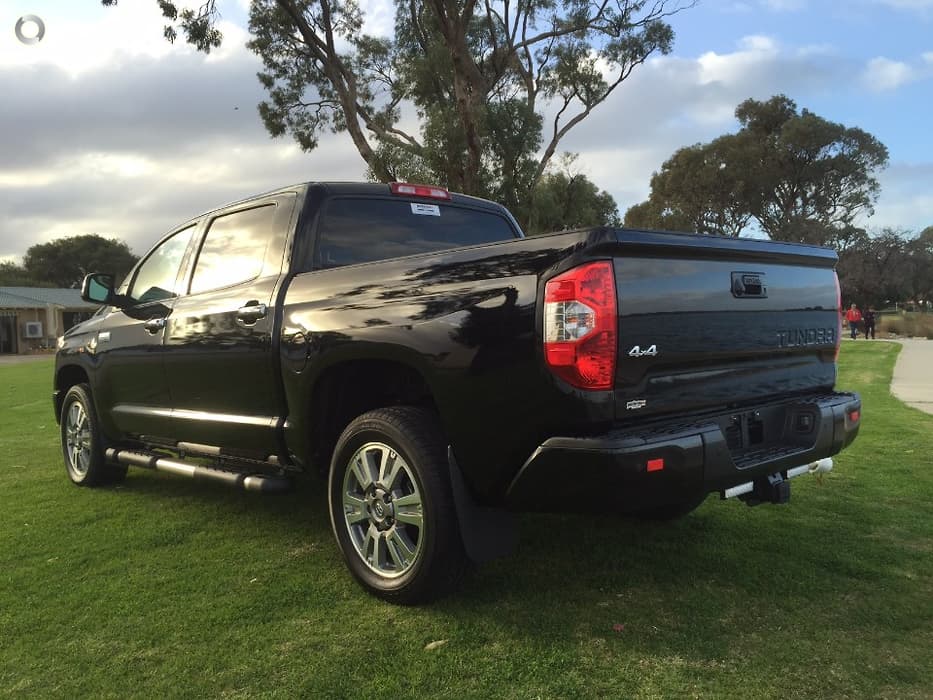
(31, 318)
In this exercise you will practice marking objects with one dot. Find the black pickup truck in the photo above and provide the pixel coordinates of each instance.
(443, 371)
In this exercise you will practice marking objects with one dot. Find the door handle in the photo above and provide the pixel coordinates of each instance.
(154, 325)
(252, 312)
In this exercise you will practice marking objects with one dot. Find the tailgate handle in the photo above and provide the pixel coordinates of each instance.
(749, 285)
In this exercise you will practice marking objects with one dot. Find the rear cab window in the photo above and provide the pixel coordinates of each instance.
(355, 230)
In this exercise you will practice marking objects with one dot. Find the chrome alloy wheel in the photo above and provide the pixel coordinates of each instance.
(78, 439)
(382, 510)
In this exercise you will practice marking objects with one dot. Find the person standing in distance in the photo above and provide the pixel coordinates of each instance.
(869, 319)
(854, 317)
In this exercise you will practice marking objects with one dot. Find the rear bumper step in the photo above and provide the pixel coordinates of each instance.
(774, 488)
(630, 469)
(267, 483)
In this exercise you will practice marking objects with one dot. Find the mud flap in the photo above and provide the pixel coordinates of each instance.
(487, 533)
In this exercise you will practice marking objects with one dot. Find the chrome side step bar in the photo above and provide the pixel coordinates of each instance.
(267, 483)
(820, 467)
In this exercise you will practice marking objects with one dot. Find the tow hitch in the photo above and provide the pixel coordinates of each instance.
(774, 488)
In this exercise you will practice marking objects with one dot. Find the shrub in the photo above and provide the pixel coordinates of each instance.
(916, 325)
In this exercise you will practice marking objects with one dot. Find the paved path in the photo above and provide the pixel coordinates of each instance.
(913, 374)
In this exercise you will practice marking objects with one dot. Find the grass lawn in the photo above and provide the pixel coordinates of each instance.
(167, 587)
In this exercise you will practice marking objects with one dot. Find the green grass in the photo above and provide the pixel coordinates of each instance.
(167, 587)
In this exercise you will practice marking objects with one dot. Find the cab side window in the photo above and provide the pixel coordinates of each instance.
(155, 278)
(234, 249)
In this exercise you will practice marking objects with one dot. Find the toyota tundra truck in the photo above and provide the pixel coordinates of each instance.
(442, 371)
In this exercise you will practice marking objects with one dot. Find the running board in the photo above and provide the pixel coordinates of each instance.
(267, 483)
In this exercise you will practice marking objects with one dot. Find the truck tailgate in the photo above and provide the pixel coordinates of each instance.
(708, 323)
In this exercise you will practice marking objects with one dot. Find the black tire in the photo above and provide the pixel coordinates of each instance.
(83, 442)
(407, 564)
(672, 511)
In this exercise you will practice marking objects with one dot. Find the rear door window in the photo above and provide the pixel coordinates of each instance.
(234, 249)
(354, 230)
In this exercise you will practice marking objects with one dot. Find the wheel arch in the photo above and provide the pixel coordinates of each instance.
(346, 389)
(66, 377)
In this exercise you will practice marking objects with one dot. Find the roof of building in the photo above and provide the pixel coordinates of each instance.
(40, 297)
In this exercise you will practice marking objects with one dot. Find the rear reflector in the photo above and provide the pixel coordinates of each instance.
(854, 416)
(410, 190)
(655, 465)
(580, 337)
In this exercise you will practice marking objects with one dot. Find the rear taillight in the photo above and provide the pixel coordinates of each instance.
(838, 317)
(412, 190)
(580, 336)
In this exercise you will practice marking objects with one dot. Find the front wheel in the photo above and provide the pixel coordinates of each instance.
(392, 507)
(82, 441)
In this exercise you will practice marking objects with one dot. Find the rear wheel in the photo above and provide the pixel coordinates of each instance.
(82, 441)
(392, 508)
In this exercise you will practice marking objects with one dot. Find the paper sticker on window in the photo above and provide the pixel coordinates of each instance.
(425, 209)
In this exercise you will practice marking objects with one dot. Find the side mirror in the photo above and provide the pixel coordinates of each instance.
(98, 288)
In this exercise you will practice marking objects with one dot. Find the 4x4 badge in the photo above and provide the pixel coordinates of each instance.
(650, 351)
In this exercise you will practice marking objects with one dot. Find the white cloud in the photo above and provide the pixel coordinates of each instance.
(783, 5)
(138, 197)
(906, 200)
(675, 101)
(379, 17)
(163, 137)
(898, 210)
(759, 43)
(101, 36)
(737, 7)
(79, 41)
(884, 74)
(911, 5)
(728, 68)
(234, 42)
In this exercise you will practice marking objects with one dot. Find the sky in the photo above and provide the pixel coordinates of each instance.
(106, 128)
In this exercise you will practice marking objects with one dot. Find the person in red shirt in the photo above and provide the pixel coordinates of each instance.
(854, 317)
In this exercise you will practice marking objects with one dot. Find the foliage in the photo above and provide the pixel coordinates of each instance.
(457, 95)
(197, 25)
(887, 267)
(920, 250)
(166, 587)
(907, 324)
(566, 199)
(13, 275)
(795, 175)
(701, 188)
(65, 262)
